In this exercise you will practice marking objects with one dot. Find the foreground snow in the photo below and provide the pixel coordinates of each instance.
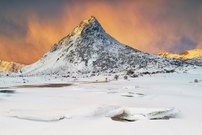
(161, 104)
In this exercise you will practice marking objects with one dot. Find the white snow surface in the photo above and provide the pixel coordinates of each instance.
(86, 107)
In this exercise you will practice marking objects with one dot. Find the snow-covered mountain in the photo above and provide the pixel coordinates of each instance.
(189, 54)
(6, 66)
(88, 49)
(196, 61)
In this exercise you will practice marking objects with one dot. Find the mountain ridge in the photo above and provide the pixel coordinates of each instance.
(189, 54)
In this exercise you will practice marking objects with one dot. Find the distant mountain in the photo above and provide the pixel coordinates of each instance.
(196, 61)
(89, 50)
(6, 66)
(190, 54)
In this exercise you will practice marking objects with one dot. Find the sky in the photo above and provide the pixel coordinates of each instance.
(29, 28)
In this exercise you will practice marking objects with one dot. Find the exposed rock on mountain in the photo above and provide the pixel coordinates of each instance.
(6, 66)
(196, 61)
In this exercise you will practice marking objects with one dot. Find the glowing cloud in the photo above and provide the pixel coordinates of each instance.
(153, 27)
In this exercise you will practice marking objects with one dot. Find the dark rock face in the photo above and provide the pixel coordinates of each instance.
(89, 49)
(196, 61)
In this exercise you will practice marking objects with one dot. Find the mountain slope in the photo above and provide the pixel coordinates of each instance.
(88, 49)
(196, 61)
(189, 54)
(6, 66)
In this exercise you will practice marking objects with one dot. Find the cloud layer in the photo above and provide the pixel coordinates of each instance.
(29, 28)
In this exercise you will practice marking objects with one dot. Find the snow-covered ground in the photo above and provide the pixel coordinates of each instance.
(163, 104)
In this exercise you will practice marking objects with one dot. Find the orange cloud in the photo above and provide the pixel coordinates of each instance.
(141, 24)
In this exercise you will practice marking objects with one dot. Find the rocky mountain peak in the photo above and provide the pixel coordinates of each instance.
(89, 50)
(88, 29)
(88, 25)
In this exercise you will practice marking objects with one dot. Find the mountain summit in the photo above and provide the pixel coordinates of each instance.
(91, 25)
(88, 50)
